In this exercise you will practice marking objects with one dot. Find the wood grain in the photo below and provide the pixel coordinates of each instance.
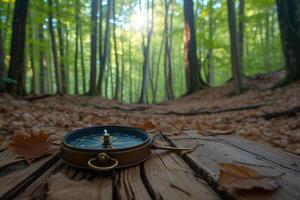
(232, 149)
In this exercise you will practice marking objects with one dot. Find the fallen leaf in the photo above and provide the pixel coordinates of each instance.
(147, 125)
(234, 176)
(212, 132)
(31, 147)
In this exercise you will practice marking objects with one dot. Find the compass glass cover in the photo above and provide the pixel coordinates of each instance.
(93, 138)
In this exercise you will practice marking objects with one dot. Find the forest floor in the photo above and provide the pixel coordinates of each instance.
(210, 111)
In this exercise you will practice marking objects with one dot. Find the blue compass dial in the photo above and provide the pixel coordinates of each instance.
(105, 138)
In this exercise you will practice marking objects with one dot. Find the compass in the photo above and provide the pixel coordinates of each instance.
(104, 148)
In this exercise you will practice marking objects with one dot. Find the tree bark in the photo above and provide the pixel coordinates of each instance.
(54, 51)
(194, 81)
(42, 62)
(116, 51)
(61, 48)
(105, 53)
(93, 72)
(2, 54)
(82, 60)
(76, 46)
(146, 48)
(168, 49)
(235, 59)
(289, 21)
(241, 32)
(16, 64)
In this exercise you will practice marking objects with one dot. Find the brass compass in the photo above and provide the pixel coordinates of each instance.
(104, 148)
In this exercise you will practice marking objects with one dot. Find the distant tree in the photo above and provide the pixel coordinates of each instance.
(241, 32)
(42, 62)
(54, 50)
(146, 50)
(168, 48)
(104, 54)
(16, 64)
(93, 72)
(115, 50)
(194, 81)
(2, 54)
(289, 21)
(76, 45)
(235, 54)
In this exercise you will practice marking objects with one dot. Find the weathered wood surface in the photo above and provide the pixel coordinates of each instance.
(232, 149)
(15, 178)
(165, 175)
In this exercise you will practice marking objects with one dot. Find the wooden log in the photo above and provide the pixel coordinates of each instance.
(169, 177)
(16, 181)
(129, 185)
(232, 149)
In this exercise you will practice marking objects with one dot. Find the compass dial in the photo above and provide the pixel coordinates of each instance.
(93, 138)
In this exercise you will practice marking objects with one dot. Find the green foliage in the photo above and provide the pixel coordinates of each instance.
(262, 51)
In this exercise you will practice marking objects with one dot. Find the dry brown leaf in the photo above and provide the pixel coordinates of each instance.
(31, 147)
(62, 187)
(234, 176)
(147, 125)
(218, 132)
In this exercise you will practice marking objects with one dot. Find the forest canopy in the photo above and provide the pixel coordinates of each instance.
(134, 51)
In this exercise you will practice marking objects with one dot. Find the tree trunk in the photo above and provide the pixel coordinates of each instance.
(93, 72)
(42, 62)
(241, 32)
(289, 21)
(61, 47)
(54, 51)
(82, 60)
(76, 46)
(16, 64)
(122, 67)
(116, 52)
(2, 54)
(194, 81)
(168, 49)
(146, 48)
(235, 59)
(105, 53)
(130, 71)
(67, 65)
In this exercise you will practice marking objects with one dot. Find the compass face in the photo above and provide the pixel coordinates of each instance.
(93, 138)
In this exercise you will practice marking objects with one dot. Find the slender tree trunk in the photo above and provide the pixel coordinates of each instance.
(2, 52)
(60, 30)
(122, 67)
(76, 46)
(116, 52)
(67, 65)
(289, 21)
(157, 70)
(130, 71)
(82, 60)
(146, 48)
(54, 51)
(31, 52)
(105, 53)
(42, 62)
(194, 81)
(93, 72)
(267, 38)
(241, 32)
(168, 49)
(235, 59)
(16, 64)
(211, 31)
